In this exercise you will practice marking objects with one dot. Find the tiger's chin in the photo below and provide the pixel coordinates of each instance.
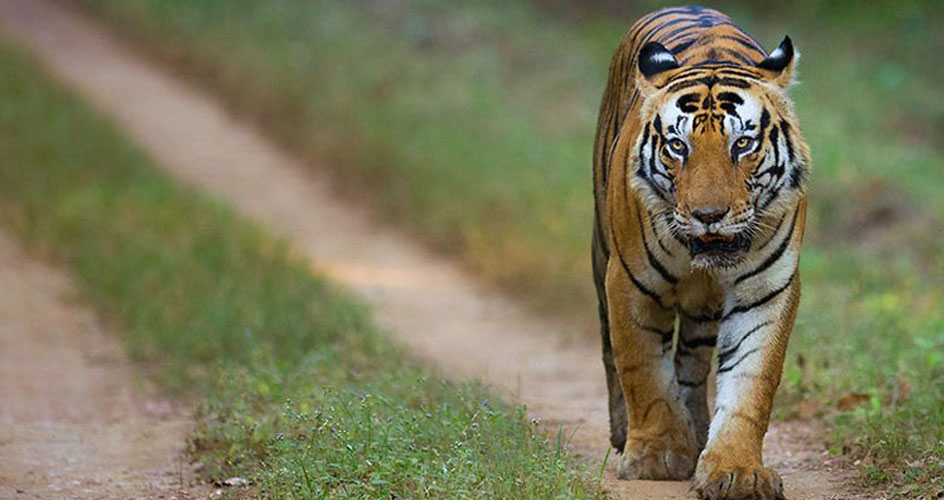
(717, 252)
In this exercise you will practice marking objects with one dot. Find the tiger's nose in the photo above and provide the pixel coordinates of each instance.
(708, 215)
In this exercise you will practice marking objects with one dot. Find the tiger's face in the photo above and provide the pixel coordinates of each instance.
(718, 154)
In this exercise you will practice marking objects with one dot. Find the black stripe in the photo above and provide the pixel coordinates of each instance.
(775, 256)
(681, 46)
(745, 42)
(641, 169)
(691, 344)
(679, 33)
(776, 170)
(700, 318)
(632, 102)
(764, 122)
(716, 64)
(786, 137)
(665, 335)
(709, 81)
(738, 56)
(775, 142)
(653, 153)
(685, 84)
(645, 134)
(687, 103)
(705, 20)
(652, 185)
(690, 72)
(653, 261)
(738, 72)
(731, 97)
(652, 225)
(609, 145)
(763, 300)
(734, 365)
(650, 33)
(727, 353)
(660, 15)
(642, 288)
(657, 173)
(797, 173)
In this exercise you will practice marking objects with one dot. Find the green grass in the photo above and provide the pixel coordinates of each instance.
(470, 124)
(300, 393)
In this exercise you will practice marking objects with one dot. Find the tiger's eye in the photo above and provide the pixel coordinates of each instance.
(678, 146)
(742, 144)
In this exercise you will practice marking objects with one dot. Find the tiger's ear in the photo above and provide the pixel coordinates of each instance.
(656, 64)
(779, 65)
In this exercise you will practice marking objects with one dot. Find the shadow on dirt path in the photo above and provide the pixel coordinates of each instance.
(73, 422)
(442, 315)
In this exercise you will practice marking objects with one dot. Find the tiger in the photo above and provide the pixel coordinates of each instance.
(699, 174)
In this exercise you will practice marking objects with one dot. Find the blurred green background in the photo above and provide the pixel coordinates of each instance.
(470, 125)
(293, 388)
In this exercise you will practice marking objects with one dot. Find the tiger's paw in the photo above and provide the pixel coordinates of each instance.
(714, 481)
(659, 459)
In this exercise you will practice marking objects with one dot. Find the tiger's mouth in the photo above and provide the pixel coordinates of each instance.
(714, 244)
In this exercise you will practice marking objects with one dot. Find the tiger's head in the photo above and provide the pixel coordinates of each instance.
(720, 150)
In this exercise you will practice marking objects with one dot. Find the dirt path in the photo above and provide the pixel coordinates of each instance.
(426, 302)
(73, 422)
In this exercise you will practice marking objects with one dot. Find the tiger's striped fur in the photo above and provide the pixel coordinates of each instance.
(699, 175)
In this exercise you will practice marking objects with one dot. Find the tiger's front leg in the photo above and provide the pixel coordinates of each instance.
(752, 343)
(660, 443)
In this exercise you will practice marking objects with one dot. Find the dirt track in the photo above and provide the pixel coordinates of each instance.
(73, 421)
(424, 301)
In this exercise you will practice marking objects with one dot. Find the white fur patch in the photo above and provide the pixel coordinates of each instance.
(662, 57)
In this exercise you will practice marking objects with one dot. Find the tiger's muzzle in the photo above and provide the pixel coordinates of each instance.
(716, 237)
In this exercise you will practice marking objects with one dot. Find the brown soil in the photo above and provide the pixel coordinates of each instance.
(74, 423)
(426, 303)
